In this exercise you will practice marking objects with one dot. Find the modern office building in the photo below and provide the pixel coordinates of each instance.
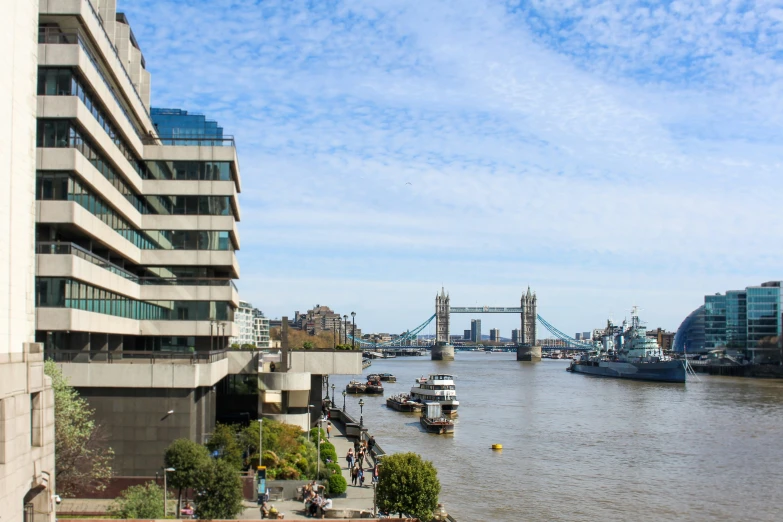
(176, 126)
(466, 335)
(475, 330)
(748, 322)
(494, 335)
(135, 238)
(27, 475)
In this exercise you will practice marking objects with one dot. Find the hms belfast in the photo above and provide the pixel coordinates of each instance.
(627, 353)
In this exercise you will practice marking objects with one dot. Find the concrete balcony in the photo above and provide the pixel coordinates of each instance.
(325, 362)
(289, 381)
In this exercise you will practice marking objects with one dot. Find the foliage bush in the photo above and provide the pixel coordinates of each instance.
(142, 501)
(334, 468)
(328, 452)
(408, 485)
(337, 484)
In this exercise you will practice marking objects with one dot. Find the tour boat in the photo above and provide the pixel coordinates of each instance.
(403, 402)
(439, 388)
(373, 387)
(433, 421)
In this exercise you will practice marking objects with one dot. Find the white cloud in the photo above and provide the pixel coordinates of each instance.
(606, 154)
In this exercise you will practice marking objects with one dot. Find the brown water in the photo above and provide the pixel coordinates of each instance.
(587, 448)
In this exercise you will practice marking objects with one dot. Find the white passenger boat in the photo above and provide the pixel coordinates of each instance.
(437, 387)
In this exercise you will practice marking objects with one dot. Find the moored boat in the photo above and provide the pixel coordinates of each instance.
(627, 353)
(355, 387)
(433, 421)
(373, 387)
(388, 377)
(439, 388)
(403, 402)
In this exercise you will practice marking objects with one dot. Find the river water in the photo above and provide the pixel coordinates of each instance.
(588, 448)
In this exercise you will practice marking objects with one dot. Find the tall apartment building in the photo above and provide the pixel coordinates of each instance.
(27, 480)
(494, 334)
(515, 335)
(475, 330)
(136, 234)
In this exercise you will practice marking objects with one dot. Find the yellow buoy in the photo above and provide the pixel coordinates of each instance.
(497, 446)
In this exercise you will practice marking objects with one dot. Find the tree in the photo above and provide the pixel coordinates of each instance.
(219, 491)
(337, 484)
(83, 458)
(226, 442)
(143, 501)
(188, 459)
(407, 485)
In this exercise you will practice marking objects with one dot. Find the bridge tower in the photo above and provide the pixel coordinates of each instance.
(442, 350)
(527, 349)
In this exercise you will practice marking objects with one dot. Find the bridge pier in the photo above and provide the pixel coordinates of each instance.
(445, 352)
(529, 353)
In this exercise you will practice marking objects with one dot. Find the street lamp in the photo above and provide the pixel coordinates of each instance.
(440, 514)
(353, 331)
(165, 492)
(346, 329)
(333, 396)
(361, 411)
(344, 394)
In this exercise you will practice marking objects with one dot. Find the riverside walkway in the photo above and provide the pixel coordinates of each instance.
(355, 498)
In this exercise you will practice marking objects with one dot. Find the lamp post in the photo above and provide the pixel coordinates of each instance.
(440, 514)
(334, 336)
(361, 412)
(327, 387)
(346, 329)
(353, 331)
(165, 492)
(344, 394)
(333, 396)
(318, 459)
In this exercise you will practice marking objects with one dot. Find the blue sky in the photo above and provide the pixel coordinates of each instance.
(606, 155)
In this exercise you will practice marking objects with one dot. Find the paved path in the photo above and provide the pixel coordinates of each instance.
(355, 497)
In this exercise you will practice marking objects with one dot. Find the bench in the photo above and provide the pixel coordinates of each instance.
(276, 493)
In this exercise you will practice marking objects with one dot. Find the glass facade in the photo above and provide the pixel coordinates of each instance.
(736, 319)
(64, 186)
(177, 123)
(763, 312)
(714, 321)
(690, 335)
(189, 170)
(59, 292)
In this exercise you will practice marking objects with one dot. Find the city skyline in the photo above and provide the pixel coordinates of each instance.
(607, 156)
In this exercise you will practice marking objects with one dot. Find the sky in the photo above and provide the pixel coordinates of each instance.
(606, 154)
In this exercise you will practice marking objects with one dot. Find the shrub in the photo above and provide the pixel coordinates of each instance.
(337, 484)
(334, 468)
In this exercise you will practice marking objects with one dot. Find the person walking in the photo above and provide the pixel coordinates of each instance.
(329, 430)
(354, 475)
(375, 474)
(371, 445)
(361, 477)
(349, 458)
(360, 457)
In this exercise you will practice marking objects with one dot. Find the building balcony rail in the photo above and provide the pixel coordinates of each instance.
(130, 357)
(204, 141)
(64, 248)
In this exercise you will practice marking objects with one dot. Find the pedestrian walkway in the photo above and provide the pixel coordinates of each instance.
(355, 497)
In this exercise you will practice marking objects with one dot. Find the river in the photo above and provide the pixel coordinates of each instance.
(587, 448)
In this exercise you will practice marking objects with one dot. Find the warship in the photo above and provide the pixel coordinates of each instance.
(627, 353)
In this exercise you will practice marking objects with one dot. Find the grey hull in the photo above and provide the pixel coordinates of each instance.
(669, 371)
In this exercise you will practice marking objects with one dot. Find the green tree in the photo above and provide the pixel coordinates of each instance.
(83, 458)
(143, 501)
(408, 485)
(219, 491)
(225, 440)
(188, 459)
(337, 485)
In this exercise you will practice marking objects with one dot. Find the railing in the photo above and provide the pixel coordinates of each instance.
(226, 141)
(126, 356)
(46, 247)
(62, 248)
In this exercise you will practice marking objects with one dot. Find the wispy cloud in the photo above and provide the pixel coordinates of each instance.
(605, 154)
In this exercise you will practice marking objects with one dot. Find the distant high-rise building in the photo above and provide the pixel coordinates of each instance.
(586, 336)
(515, 335)
(578, 336)
(494, 335)
(466, 336)
(475, 330)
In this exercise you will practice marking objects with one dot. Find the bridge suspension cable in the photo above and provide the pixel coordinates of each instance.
(408, 336)
(570, 341)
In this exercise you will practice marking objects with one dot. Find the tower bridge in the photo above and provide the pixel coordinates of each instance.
(527, 349)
